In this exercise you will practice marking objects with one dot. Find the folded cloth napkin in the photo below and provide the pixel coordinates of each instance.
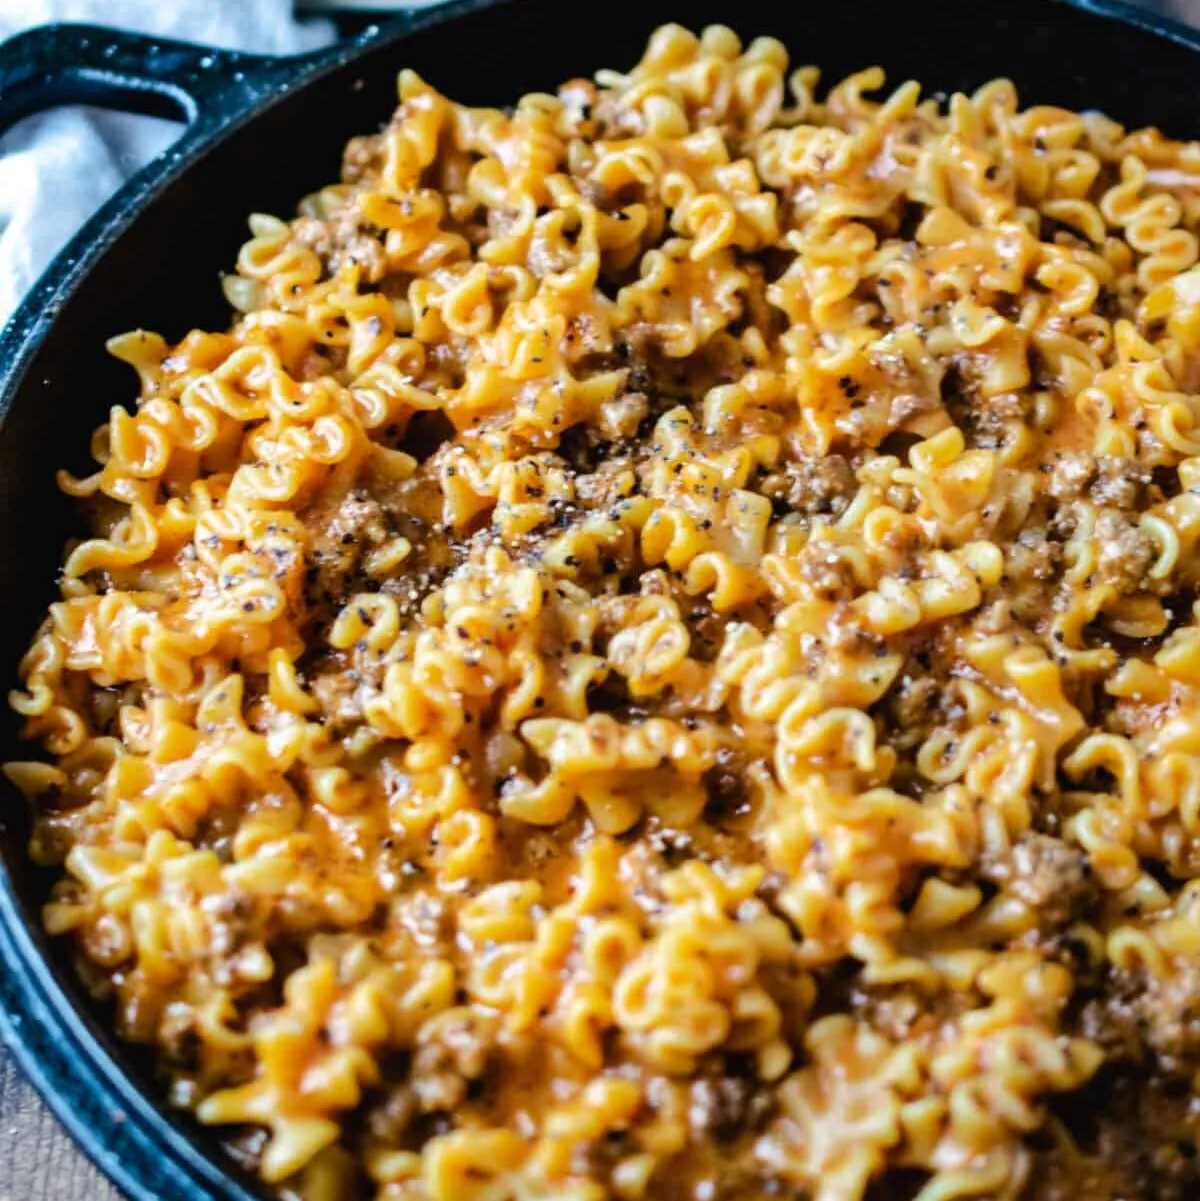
(57, 167)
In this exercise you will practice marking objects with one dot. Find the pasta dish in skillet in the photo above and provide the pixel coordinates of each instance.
(657, 657)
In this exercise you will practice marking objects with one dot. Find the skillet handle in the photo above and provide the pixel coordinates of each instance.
(52, 65)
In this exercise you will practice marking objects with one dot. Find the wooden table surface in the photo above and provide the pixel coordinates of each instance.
(38, 1162)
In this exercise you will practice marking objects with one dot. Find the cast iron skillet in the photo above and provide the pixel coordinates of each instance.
(260, 134)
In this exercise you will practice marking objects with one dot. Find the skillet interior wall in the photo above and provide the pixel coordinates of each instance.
(162, 273)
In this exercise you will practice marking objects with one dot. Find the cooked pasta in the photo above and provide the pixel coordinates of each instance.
(658, 656)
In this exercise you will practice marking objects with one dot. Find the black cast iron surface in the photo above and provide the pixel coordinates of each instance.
(263, 132)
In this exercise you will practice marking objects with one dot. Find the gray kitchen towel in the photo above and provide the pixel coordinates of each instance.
(57, 167)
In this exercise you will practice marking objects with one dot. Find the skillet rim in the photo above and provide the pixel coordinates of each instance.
(42, 1023)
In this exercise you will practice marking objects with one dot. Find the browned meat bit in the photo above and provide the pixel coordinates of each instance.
(992, 419)
(826, 571)
(455, 1050)
(578, 97)
(911, 703)
(1120, 481)
(360, 157)
(1170, 1009)
(615, 117)
(1113, 1021)
(894, 1012)
(1052, 877)
(899, 1011)
(314, 233)
(1034, 556)
(389, 1117)
(1126, 553)
(724, 1107)
(424, 916)
(816, 485)
(596, 456)
(728, 790)
(587, 336)
(1070, 474)
(339, 693)
(984, 420)
(1108, 479)
(734, 1182)
(181, 1042)
(708, 631)
(340, 239)
(906, 406)
(620, 417)
(1137, 1142)
(410, 589)
(603, 487)
(672, 846)
(1143, 1013)
(341, 534)
(365, 252)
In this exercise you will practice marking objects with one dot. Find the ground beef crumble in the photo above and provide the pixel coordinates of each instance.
(1052, 877)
